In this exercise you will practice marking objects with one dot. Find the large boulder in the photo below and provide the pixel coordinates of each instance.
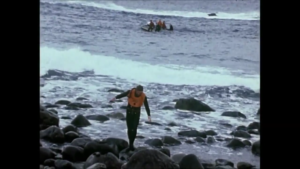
(190, 161)
(110, 160)
(256, 148)
(168, 140)
(46, 153)
(149, 158)
(192, 105)
(73, 153)
(52, 134)
(80, 121)
(48, 118)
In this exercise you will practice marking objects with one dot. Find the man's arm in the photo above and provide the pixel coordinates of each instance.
(147, 106)
(122, 94)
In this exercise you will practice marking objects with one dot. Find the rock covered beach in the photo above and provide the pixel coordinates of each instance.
(67, 146)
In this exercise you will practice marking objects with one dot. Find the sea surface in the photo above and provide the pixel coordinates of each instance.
(215, 59)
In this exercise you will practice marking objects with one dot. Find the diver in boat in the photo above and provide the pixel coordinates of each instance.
(151, 26)
(163, 26)
(157, 28)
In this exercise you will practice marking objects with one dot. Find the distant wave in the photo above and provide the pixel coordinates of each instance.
(220, 15)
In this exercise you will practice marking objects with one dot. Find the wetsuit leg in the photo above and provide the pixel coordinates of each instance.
(132, 121)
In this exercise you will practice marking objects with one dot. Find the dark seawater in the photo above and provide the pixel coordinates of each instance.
(214, 59)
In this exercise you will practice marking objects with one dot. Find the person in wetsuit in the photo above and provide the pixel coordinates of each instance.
(163, 25)
(136, 98)
(151, 26)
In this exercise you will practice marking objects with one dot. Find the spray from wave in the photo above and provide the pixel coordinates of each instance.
(76, 60)
(220, 15)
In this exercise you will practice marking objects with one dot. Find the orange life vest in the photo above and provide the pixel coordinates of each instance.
(135, 101)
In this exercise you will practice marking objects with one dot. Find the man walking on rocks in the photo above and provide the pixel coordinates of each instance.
(136, 98)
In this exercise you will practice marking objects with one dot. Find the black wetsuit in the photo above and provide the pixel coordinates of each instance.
(133, 118)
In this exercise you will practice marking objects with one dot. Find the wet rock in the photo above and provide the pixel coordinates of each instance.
(153, 123)
(172, 124)
(210, 140)
(46, 153)
(244, 165)
(98, 117)
(234, 114)
(148, 158)
(211, 133)
(256, 148)
(253, 131)
(52, 134)
(240, 133)
(48, 118)
(117, 115)
(207, 164)
(116, 90)
(154, 142)
(241, 128)
(63, 164)
(177, 157)
(80, 142)
(69, 127)
(49, 162)
(192, 133)
(247, 142)
(226, 125)
(253, 125)
(190, 161)
(106, 106)
(258, 112)
(48, 105)
(224, 167)
(55, 149)
(168, 129)
(165, 151)
(235, 144)
(53, 111)
(223, 162)
(200, 140)
(65, 117)
(168, 140)
(189, 141)
(79, 105)
(121, 144)
(73, 153)
(71, 108)
(94, 146)
(97, 166)
(80, 121)
(192, 105)
(109, 160)
(63, 102)
(123, 107)
(168, 108)
(81, 99)
(70, 136)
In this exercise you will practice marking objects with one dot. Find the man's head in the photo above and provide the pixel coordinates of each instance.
(139, 90)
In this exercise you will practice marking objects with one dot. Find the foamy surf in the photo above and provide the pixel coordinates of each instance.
(220, 15)
(76, 60)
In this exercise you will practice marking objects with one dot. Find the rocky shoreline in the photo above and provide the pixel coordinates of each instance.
(66, 147)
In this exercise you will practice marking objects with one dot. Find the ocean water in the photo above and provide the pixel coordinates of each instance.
(213, 59)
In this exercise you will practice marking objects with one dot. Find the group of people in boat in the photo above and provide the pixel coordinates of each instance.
(159, 25)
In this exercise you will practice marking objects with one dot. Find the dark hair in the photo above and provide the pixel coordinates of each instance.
(139, 88)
